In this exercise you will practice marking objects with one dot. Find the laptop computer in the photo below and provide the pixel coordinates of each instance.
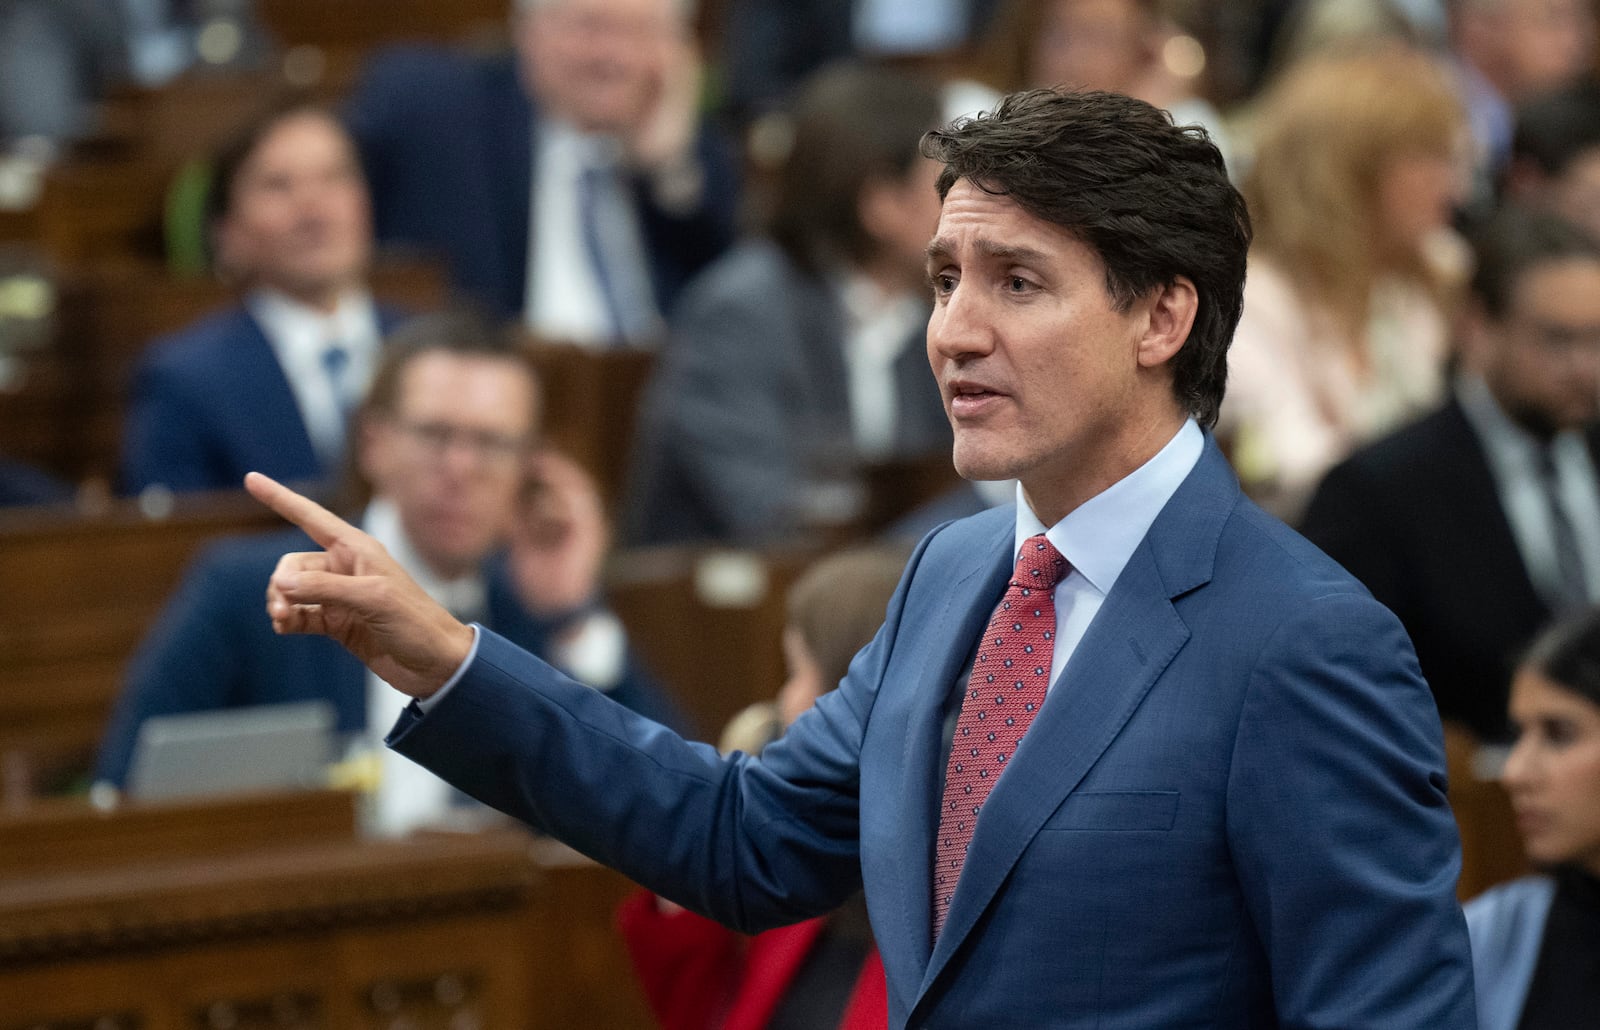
(236, 750)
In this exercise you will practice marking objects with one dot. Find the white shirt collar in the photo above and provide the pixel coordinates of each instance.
(1099, 536)
(292, 325)
(466, 597)
(299, 337)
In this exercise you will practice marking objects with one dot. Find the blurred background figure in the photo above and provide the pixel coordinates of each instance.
(1536, 941)
(1505, 53)
(1480, 522)
(1122, 46)
(1355, 176)
(59, 57)
(798, 357)
(1555, 155)
(772, 46)
(268, 384)
(572, 183)
(497, 530)
(825, 972)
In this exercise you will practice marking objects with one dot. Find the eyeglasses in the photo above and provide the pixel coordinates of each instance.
(1562, 342)
(437, 439)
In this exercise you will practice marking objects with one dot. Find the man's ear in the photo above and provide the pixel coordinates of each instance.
(1172, 309)
(374, 449)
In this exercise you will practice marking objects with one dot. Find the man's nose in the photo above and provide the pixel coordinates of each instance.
(959, 326)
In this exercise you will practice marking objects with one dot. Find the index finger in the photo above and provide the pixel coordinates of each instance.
(320, 524)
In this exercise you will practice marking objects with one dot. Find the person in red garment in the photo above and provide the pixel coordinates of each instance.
(824, 972)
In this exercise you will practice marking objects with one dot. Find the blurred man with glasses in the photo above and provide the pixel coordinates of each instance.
(450, 477)
(1480, 523)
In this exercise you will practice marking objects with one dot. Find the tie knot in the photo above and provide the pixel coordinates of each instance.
(336, 358)
(1040, 564)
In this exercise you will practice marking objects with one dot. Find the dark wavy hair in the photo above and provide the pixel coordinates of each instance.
(1568, 655)
(853, 122)
(1151, 199)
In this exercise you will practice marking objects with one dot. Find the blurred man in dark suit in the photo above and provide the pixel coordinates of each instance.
(463, 498)
(273, 379)
(1480, 522)
(571, 183)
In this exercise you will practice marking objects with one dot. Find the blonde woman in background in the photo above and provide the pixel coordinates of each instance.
(1356, 172)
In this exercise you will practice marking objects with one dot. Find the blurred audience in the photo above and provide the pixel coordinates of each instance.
(573, 183)
(772, 46)
(799, 356)
(1536, 941)
(1355, 177)
(1506, 52)
(1555, 155)
(1481, 521)
(1121, 46)
(267, 384)
(58, 58)
(825, 972)
(495, 528)
(22, 484)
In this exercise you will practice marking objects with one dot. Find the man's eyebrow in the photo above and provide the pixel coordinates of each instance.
(941, 248)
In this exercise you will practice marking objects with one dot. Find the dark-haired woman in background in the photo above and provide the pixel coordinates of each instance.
(1536, 941)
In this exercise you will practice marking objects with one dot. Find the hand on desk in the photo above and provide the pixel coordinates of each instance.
(353, 592)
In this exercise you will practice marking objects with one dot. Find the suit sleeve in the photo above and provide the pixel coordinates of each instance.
(1340, 829)
(752, 843)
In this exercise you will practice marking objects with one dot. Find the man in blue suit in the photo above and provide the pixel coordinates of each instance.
(1227, 805)
(270, 382)
(447, 446)
(572, 183)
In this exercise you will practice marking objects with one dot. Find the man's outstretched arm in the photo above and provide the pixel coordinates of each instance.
(353, 592)
(751, 843)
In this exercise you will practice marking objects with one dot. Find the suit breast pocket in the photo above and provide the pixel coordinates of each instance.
(1116, 810)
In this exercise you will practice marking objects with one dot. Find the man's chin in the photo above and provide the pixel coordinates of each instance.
(974, 464)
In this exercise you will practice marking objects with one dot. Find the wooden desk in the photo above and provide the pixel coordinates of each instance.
(1491, 849)
(269, 911)
(319, 930)
(591, 402)
(708, 622)
(77, 593)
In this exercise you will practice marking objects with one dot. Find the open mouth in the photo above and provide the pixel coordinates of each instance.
(968, 399)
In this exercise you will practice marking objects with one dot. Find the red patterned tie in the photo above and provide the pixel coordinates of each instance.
(1004, 692)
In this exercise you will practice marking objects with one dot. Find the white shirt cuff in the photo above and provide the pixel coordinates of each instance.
(424, 704)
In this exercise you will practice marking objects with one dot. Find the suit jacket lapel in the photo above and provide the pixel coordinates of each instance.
(1132, 640)
(255, 365)
(510, 146)
(960, 618)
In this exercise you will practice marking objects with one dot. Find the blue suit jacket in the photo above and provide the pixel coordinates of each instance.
(211, 403)
(447, 143)
(1229, 813)
(213, 647)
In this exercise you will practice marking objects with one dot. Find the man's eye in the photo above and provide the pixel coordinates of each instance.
(1017, 284)
(941, 282)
